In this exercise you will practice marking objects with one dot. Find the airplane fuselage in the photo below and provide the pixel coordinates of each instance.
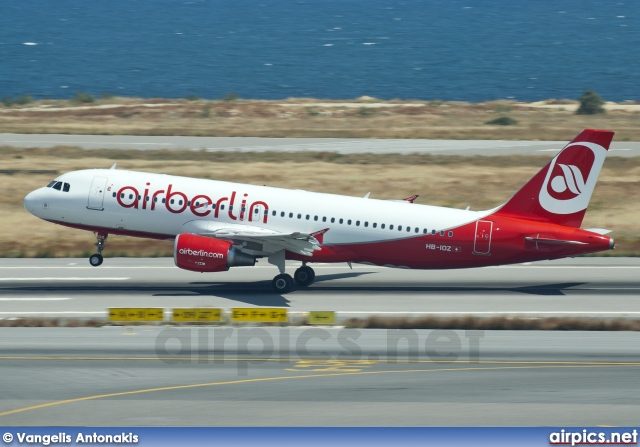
(361, 230)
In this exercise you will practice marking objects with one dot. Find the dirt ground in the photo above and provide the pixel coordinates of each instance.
(362, 118)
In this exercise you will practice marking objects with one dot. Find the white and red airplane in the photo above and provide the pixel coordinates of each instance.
(217, 225)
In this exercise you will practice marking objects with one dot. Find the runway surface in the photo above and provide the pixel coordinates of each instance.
(290, 376)
(144, 376)
(339, 145)
(595, 287)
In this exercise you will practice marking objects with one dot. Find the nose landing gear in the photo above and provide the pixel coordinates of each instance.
(96, 259)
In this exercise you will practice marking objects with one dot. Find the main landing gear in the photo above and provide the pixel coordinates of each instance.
(283, 283)
(96, 259)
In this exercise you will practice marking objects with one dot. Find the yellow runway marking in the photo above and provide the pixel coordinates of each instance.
(306, 376)
(196, 358)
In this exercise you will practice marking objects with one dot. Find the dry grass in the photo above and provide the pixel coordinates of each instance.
(309, 118)
(497, 323)
(481, 182)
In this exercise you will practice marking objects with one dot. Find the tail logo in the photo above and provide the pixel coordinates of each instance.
(571, 179)
(565, 190)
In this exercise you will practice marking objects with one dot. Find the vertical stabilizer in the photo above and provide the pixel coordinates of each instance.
(561, 191)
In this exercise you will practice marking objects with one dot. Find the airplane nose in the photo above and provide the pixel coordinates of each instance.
(34, 202)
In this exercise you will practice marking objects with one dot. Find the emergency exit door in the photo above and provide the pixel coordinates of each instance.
(482, 243)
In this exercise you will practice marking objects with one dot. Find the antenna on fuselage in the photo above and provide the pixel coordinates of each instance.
(114, 166)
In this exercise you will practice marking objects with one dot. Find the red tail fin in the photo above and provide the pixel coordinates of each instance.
(561, 191)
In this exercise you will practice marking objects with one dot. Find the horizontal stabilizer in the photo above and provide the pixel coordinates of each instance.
(541, 240)
(599, 230)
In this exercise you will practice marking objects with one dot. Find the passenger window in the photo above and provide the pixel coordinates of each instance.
(375, 225)
(433, 232)
(341, 221)
(366, 224)
(188, 202)
(333, 220)
(299, 216)
(399, 227)
(273, 213)
(349, 222)
(254, 212)
(66, 187)
(282, 214)
(164, 201)
(315, 218)
(425, 231)
(324, 219)
(114, 194)
(391, 227)
(441, 232)
(357, 223)
(57, 186)
(221, 207)
(308, 217)
(291, 215)
(382, 226)
(450, 233)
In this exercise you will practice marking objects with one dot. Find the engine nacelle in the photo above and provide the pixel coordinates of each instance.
(207, 254)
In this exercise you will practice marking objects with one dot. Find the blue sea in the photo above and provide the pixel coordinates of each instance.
(467, 50)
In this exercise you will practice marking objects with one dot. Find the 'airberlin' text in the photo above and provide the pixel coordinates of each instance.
(200, 205)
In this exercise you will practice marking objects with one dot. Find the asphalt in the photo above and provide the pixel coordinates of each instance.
(338, 145)
(586, 287)
(155, 376)
(318, 376)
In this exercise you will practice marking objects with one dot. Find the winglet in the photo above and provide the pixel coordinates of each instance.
(411, 198)
(319, 235)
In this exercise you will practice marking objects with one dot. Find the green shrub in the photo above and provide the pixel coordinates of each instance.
(83, 98)
(8, 101)
(312, 112)
(23, 100)
(231, 96)
(206, 112)
(502, 121)
(590, 104)
(366, 111)
(192, 98)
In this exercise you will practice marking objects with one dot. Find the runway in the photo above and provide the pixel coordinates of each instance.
(299, 376)
(338, 145)
(590, 287)
(150, 376)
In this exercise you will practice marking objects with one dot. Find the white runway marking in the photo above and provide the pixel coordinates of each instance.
(70, 278)
(65, 312)
(34, 299)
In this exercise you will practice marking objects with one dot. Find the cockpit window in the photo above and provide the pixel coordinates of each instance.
(57, 186)
(66, 187)
(51, 184)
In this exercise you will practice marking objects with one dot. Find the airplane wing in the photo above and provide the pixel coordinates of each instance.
(261, 243)
(258, 241)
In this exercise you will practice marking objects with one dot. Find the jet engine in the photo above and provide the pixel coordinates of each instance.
(207, 254)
